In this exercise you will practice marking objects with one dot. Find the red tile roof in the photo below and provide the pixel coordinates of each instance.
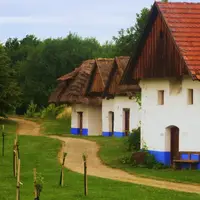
(183, 20)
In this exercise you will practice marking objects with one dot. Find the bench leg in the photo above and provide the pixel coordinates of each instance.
(194, 166)
(174, 165)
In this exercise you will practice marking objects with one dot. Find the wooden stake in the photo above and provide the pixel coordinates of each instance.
(14, 159)
(34, 178)
(85, 175)
(17, 150)
(18, 182)
(3, 140)
(62, 170)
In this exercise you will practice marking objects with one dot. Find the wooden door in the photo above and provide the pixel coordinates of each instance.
(127, 121)
(80, 122)
(174, 143)
(111, 122)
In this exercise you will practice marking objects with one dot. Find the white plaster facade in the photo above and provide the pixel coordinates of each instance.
(92, 121)
(155, 119)
(117, 105)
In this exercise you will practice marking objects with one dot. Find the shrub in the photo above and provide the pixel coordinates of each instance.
(147, 160)
(134, 140)
(126, 160)
(51, 111)
(31, 110)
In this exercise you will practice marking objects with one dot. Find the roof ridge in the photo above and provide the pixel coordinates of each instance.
(177, 2)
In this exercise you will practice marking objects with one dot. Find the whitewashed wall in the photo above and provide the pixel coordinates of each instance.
(91, 118)
(117, 105)
(107, 106)
(94, 120)
(123, 103)
(175, 112)
(79, 108)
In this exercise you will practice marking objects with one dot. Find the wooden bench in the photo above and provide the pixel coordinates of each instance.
(192, 163)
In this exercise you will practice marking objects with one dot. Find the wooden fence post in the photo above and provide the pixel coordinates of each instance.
(62, 170)
(85, 175)
(3, 140)
(15, 159)
(35, 188)
(18, 181)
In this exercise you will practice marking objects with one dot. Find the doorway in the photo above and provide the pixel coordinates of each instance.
(80, 122)
(174, 143)
(126, 121)
(111, 122)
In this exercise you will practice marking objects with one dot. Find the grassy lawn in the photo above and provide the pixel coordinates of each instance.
(114, 148)
(41, 152)
(58, 127)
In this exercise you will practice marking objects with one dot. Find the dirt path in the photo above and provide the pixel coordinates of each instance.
(75, 148)
(26, 127)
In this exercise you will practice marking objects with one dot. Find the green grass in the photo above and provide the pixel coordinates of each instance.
(52, 126)
(112, 149)
(58, 127)
(41, 152)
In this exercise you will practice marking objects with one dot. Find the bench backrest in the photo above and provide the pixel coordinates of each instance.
(189, 155)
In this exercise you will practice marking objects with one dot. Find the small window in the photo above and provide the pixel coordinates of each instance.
(190, 97)
(160, 97)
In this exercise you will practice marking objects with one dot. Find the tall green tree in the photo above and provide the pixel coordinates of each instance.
(40, 63)
(127, 40)
(9, 90)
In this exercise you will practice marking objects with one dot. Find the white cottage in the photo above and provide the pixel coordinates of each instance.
(120, 111)
(167, 68)
(86, 111)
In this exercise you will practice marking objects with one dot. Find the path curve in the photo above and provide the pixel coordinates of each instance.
(75, 147)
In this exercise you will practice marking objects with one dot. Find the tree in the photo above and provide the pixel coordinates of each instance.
(9, 91)
(127, 40)
(40, 63)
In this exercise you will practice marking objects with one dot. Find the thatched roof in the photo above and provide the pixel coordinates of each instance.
(70, 75)
(55, 95)
(113, 86)
(72, 86)
(99, 76)
(93, 80)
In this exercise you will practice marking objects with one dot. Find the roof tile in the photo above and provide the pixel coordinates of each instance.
(183, 19)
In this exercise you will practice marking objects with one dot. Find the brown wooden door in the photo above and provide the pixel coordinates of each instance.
(112, 121)
(127, 121)
(174, 143)
(80, 119)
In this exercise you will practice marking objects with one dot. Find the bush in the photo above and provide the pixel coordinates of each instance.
(126, 160)
(134, 140)
(31, 110)
(52, 111)
(147, 160)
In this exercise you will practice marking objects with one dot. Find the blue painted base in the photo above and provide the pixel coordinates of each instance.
(116, 134)
(165, 157)
(186, 157)
(107, 134)
(76, 131)
(119, 134)
(161, 156)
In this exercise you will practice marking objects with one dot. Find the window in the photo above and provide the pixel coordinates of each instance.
(190, 97)
(160, 97)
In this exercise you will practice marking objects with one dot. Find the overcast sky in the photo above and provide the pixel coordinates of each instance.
(55, 18)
